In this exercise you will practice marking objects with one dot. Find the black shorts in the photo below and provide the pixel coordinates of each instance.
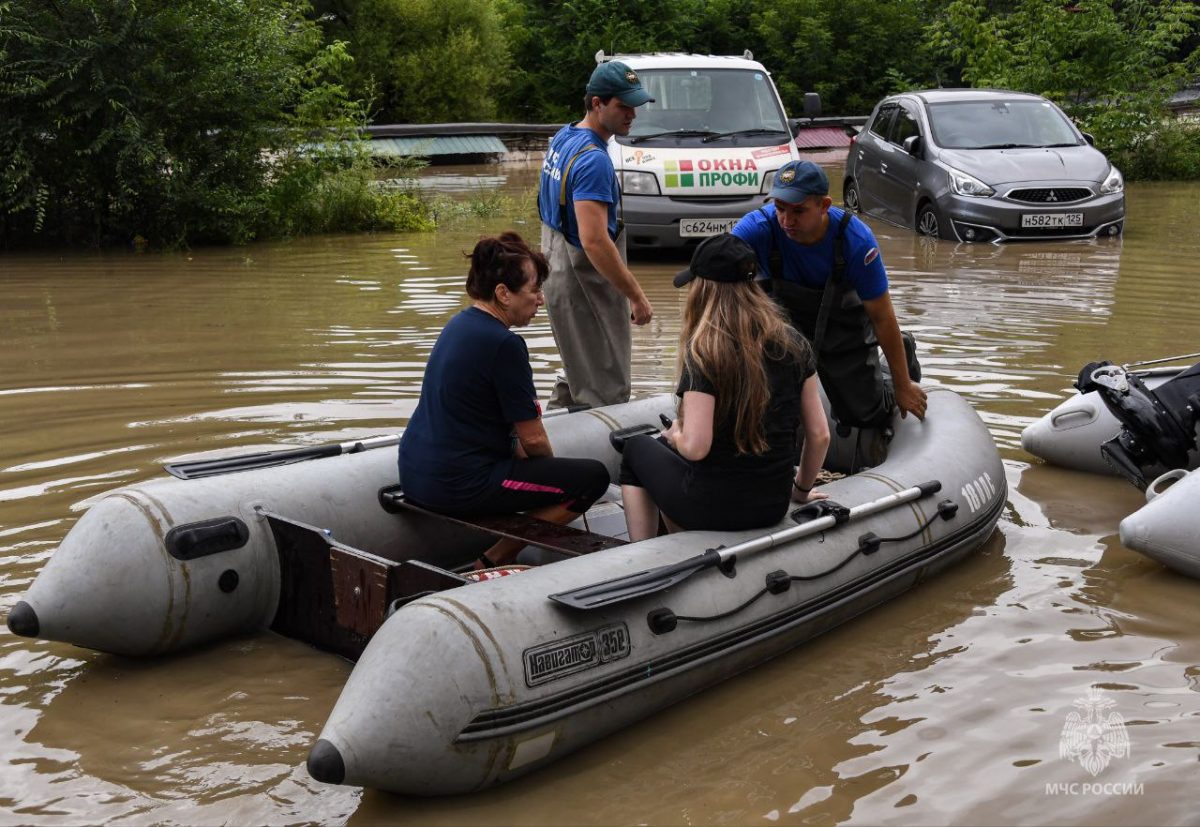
(540, 482)
(649, 463)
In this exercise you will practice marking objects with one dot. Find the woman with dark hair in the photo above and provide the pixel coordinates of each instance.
(475, 445)
(746, 385)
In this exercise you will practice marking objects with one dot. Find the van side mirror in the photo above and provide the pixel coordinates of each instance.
(913, 145)
(812, 105)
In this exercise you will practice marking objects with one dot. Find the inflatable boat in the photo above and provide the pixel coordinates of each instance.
(1167, 527)
(204, 552)
(465, 688)
(1134, 423)
(464, 682)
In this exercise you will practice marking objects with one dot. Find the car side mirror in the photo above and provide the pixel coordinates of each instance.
(1087, 136)
(912, 145)
(812, 105)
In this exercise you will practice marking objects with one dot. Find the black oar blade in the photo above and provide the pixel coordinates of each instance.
(632, 586)
(199, 468)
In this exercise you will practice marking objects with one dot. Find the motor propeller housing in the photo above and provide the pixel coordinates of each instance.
(1158, 427)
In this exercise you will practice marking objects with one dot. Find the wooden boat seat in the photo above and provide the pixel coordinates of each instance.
(335, 596)
(530, 530)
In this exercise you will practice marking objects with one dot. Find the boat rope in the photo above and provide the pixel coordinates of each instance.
(780, 581)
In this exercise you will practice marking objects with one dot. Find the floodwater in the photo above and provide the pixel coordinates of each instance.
(944, 706)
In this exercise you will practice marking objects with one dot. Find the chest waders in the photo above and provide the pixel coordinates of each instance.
(843, 338)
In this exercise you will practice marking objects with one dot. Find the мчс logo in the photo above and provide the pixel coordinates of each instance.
(1093, 735)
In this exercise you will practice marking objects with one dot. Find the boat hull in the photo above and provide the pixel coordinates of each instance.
(467, 688)
(1167, 528)
(117, 582)
(1071, 434)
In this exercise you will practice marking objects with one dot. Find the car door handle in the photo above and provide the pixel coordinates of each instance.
(882, 166)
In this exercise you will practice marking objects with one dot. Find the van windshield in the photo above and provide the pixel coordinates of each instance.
(707, 104)
(999, 124)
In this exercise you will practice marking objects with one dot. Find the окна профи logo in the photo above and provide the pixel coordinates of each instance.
(1093, 734)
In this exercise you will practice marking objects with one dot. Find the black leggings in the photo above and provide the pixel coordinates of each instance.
(539, 482)
(649, 463)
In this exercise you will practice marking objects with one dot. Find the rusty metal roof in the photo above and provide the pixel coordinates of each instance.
(822, 137)
(438, 145)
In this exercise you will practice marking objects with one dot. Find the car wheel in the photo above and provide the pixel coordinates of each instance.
(850, 196)
(928, 222)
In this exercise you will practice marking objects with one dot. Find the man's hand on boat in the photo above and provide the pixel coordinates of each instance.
(911, 398)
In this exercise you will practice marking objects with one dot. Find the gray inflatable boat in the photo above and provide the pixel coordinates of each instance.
(1167, 527)
(1132, 423)
(464, 684)
(195, 556)
(471, 686)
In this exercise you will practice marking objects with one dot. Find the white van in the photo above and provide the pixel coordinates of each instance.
(704, 152)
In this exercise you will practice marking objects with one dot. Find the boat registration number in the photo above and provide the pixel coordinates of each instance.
(703, 227)
(551, 661)
(1051, 220)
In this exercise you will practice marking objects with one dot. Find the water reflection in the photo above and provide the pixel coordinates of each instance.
(945, 706)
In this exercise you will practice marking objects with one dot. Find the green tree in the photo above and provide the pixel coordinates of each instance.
(557, 40)
(177, 121)
(852, 52)
(1111, 64)
(428, 60)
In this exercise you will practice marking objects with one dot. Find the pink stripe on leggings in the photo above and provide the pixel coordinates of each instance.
(518, 485)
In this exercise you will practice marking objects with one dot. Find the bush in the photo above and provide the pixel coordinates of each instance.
(179, 121)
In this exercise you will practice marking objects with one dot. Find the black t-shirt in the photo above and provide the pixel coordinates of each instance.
(748, 478)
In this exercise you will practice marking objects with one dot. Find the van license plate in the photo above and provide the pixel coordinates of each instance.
(1048, 220)
(701, 227)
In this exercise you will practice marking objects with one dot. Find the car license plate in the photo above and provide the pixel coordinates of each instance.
(1051, 220)
(701, 227)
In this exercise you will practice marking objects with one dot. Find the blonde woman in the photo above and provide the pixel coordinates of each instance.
(747, 384)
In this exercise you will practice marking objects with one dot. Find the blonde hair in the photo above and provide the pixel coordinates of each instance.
(728, 327)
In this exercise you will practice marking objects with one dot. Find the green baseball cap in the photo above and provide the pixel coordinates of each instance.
(617, 79)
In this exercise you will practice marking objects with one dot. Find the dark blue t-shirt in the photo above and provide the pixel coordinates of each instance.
(459, 443)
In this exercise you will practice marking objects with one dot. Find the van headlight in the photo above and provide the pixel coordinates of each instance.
(768, 181)
(1115, 182)
(963, 184)
(639, 183)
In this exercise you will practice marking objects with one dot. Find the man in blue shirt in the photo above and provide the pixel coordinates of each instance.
(826, 272)
(591, 295)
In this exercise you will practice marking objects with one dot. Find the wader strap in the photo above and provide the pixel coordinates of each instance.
(775, 271)
(562, 192)
(835, 278)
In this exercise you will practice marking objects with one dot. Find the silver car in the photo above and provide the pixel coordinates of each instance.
(982, 165)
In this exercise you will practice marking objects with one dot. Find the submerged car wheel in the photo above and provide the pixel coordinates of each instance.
(850, 196)
(928, 222)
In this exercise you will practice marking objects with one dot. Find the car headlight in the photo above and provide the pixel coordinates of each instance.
(639, 183)
(768, 181)
(1115, 182)
(963, 184)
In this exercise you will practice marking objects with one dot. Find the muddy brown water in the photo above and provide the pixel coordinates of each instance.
(944, 706)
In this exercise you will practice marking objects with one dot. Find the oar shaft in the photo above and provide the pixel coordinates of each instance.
(822, 523)
(640, 584)
(1161, 361)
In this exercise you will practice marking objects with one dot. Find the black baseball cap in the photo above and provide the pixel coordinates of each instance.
(723, 257)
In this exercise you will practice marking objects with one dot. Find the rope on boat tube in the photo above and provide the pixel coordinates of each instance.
(780, 581)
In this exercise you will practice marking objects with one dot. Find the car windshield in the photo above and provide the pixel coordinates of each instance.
(710, 104)
(999, 124)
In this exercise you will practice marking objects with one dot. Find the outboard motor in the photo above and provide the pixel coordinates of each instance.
(1158, 426)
